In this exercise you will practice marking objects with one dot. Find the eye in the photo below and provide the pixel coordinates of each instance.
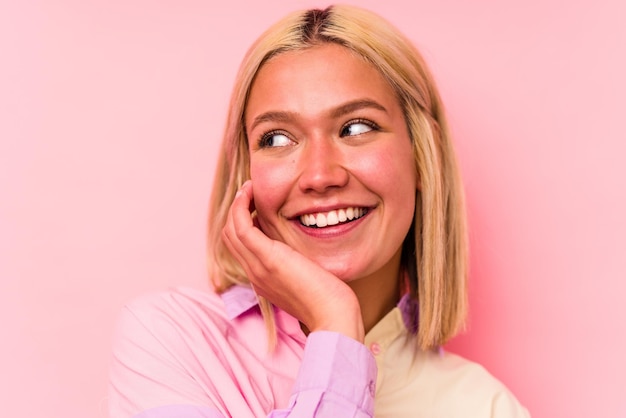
(274, 139)
(357, 127)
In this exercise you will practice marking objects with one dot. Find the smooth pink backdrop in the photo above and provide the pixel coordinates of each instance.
(110, 118)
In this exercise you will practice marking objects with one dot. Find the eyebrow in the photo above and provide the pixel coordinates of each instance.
(356, 105)
(272, 116)
(344, 109)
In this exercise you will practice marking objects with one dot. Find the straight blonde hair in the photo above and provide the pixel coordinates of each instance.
(435, 251)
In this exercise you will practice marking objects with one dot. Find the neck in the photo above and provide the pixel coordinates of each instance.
(379, 292)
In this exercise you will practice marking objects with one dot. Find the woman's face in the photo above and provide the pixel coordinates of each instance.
(331, 160)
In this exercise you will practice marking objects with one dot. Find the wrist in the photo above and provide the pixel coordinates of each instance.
(346, 322)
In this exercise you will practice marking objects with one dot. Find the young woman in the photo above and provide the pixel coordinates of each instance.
(338, 252)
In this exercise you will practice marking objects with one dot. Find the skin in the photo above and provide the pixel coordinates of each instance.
(326, 132)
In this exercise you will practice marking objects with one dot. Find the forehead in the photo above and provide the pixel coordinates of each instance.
(315, 80)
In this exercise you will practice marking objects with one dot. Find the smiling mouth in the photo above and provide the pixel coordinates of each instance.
(333, 217)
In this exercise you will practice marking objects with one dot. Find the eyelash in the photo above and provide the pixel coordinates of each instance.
(369, 123)
(264, 140)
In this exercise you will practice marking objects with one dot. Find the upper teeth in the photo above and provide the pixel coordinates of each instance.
(322, 219)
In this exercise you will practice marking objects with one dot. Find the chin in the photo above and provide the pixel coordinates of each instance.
(345, 271)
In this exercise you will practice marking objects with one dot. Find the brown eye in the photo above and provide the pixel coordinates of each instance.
(274, 139)
(357, 127)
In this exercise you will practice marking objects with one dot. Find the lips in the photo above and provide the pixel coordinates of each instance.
(333, 217)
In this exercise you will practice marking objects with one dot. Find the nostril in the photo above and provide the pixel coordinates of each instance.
(322, 165)
(320, 177)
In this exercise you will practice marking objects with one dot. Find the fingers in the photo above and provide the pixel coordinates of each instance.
(287, 278)
(248, 244)
(248, 237)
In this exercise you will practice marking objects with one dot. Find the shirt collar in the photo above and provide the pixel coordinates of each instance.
(410, 313)
(238, 300)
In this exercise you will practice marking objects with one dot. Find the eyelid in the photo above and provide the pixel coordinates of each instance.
(265, 136)
(367, 122)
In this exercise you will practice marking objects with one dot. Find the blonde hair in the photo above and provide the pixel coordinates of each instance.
(435, 253)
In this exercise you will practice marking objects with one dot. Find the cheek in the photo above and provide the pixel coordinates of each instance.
(270, 182)
(388, 169)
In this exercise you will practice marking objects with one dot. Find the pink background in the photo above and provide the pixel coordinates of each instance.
(110, 117)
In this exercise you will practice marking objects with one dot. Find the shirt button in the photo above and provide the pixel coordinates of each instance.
(375, 348)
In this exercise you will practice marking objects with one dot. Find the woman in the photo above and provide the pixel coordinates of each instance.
(337, 247)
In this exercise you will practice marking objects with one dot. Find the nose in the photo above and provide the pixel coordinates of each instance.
(322, 167)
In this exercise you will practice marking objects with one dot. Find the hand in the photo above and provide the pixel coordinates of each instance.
(289, 280)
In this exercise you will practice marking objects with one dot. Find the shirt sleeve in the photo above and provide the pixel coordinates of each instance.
(146, 379)
(180, 411)
(145, 372)
(337, 378)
